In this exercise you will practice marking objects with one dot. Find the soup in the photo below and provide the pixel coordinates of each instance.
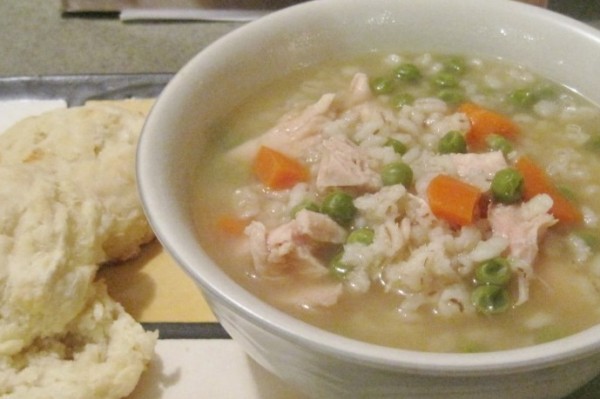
(421, 201)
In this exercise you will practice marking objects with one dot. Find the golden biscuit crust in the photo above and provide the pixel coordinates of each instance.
(94, 147)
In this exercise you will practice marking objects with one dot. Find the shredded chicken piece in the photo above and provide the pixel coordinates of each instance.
(344, 164)
(288, 250)
(360, 91)
(523, 225)
(289, 247)
(294, 133)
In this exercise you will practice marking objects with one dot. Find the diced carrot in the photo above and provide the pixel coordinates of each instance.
(277, 170)
(231, 225)
(453, 200)
(485, 122)
(536, 181)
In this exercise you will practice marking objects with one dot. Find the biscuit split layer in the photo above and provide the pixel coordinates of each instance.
(100, 354)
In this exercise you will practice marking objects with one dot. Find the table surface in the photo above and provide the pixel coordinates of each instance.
(38, 40)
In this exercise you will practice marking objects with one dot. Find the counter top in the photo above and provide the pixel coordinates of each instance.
(37, 39)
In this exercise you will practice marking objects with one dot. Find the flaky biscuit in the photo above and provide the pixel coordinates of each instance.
(49, 246)
(68, 202)
(99, 355)
(94, 147)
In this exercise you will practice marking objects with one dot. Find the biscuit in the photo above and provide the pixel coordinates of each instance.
(68, 202)
(93, 146)
(100, 354)
(49, 246)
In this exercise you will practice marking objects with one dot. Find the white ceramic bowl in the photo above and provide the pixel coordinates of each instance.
(322, 364)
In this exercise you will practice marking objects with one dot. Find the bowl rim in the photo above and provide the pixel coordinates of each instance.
(216, 283)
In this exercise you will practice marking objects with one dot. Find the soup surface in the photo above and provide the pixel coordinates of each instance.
(422, 201)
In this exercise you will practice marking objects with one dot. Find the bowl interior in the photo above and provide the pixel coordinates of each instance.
(242, 62)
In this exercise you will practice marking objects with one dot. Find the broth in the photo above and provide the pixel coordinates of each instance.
(555, 295)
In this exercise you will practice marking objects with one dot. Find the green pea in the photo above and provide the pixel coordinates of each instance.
(340, 207)
(490, 299)
(451, 95)
(455, 64)
(308, 205)
(338, 268)
(445, 80)
(452, 142)
(402, 99)
(397, 173)
(382, 85)
(523, 98)
(407, 72)
(397, 145)
(497, 142)
(363, 235)
(507, 186)
(494, 271)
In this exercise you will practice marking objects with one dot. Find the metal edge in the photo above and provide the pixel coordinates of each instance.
(77, 89)
(205, 330)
